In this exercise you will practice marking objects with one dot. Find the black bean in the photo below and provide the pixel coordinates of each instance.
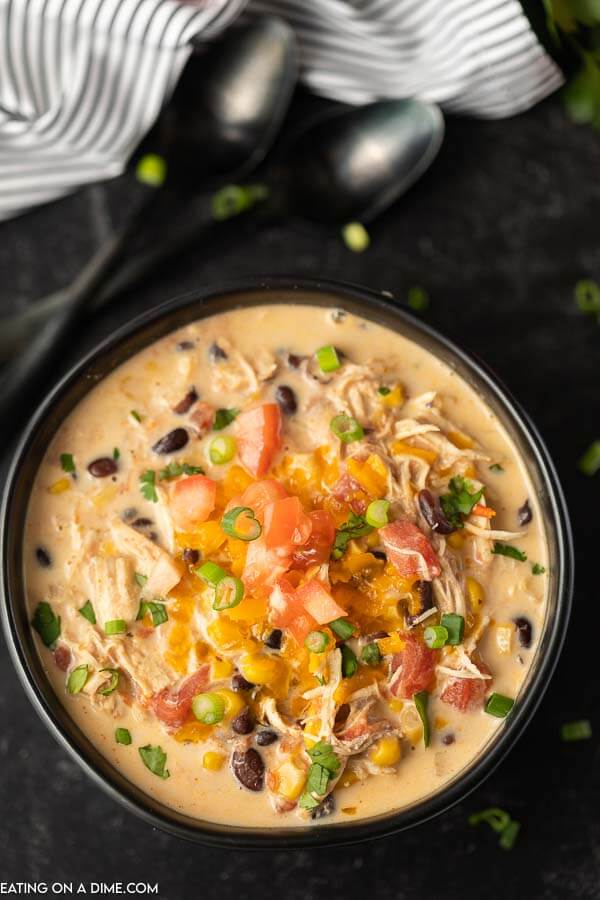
(425, 592)
(186, 403)
(243, 722)
(43, 557)
(376, 636)
(190, 556)
(341, 716)
(379, 554)
(266, 737)
(325, 808)
(102, 467)
(185, 345)
(141, 523)
(524, 514)
(338, 315)
(239, 683)
(216, 353)
(433, 513)
(294, 361)
(448, 739)
(129, 514)
(286, 399)
(171, 442)
(524, 630)
(274, 639)
(249, 769)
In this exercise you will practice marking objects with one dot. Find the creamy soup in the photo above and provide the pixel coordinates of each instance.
(285, 567)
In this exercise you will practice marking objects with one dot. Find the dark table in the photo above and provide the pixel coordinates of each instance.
(498, 233)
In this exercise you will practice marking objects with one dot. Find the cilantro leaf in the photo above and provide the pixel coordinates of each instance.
(174, 470)
(155, 759)
(355, 527)
(460, 501)
(148, 485)
(224, 417)
(510, 551)
(67, 463)
(46, 623)
(322, 753)
(87, 611)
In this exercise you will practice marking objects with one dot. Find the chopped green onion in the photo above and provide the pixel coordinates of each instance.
(576, 731)
(421, 700)
(123, 736)
(587, 295)
(229, 592)
(537, 569)
(508, 550)
(135, 415)
(151, 170)
(496, 467)
(46, 623)
(384, 391)
(435, 636)
(589, 463)
(328, 358)
(460, 501)
(210, 572)
(509, 835)
(377, 513)
(417, 298)
(233, 199)
(87, 611)
(67, 463)
(223, 418)
(116, 453)
(346, 429)
(356, 237)
(498, 705)
(115, 626)
(155, 759)
(112, 684)
(157, 611)
(77, 679)
(316, 641)
(208, 708)
(355, 527)
(322, 753)
(317, 780)
(174, 470)
(241, 523)
(342, 628)
(371, 654)
(496, 818)
(148, 485)
(455, 626)
(349, 662)
(140, 579)
(222, 450)
(307, 801)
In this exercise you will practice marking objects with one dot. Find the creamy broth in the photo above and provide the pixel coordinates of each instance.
(72, 519)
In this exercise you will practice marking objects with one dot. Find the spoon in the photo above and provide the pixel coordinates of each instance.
(221, 121)
(346, 165)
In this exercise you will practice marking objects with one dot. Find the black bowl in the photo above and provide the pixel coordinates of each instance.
(137, 335)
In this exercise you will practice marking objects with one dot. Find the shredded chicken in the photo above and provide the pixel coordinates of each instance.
(237, 374)
(162, 571)
(112, 588)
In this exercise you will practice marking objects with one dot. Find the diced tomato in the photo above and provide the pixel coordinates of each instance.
(259, 495)
(319, 603)
(62, 657)
(409, 550)
(466, 693)
(172, 705)
(287, 611)
(317, 548)
(192, 500)
(259, 437)
(348, 490)
(263, 566)
(286, 525)
(417, 663)
(202, 418)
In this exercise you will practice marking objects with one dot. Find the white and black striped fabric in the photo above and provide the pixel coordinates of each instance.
(81, 81)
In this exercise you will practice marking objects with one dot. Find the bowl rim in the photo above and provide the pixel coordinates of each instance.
(103, 773)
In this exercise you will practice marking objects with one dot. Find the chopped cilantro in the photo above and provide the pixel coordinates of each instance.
(460, 501)
(116, 454)
(87, 611)
(148, 485)
(67, 463)
(355, 527)
(224, 417)
(509, 550)
(135, 415)
(496, 467)
(46, 623)
(383, 390)
(538, 569)
(322, 753)
(140, 579)
(174, 470)
(325, 765)
(155, 759)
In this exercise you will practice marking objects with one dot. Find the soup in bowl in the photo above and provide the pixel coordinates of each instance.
(286, 567)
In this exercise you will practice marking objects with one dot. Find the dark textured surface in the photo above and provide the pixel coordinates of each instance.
(498, 233)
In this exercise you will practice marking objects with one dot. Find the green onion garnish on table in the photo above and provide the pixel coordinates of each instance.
(589, 463)
(581, 730)
(234, 199)
(417, 298)
(346, 429)
(328, 359)
(356, 237)
(501, 822)
(151, 170)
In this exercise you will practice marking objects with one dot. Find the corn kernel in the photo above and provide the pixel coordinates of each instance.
(220, 668)
(349, 810)
(225, 633)
(290, 780)
(475, 593)
(236, 481)
(410, 722)
(394, 398)
(391, 644)
(387, 751)
(192, 732)
(504, 635)
(258, 668)
(348, 779)
(371, 474)
(213, 761)
(234, 703)
(396, 705)
(60, 486)
(456, 540)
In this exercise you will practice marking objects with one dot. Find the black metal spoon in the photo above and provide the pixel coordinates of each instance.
(222, 120)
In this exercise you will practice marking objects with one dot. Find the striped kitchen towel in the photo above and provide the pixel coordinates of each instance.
(81, 81)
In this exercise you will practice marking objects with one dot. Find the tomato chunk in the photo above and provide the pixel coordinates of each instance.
(466, 693)
(192, 500)
(319, 603)
(263, 566)
(317, 548)
(348, 490)
(172, 705)
(259, 437)
(259, 495)
(417, 663)
(286, 525)
(287, 611)
(409, 551)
